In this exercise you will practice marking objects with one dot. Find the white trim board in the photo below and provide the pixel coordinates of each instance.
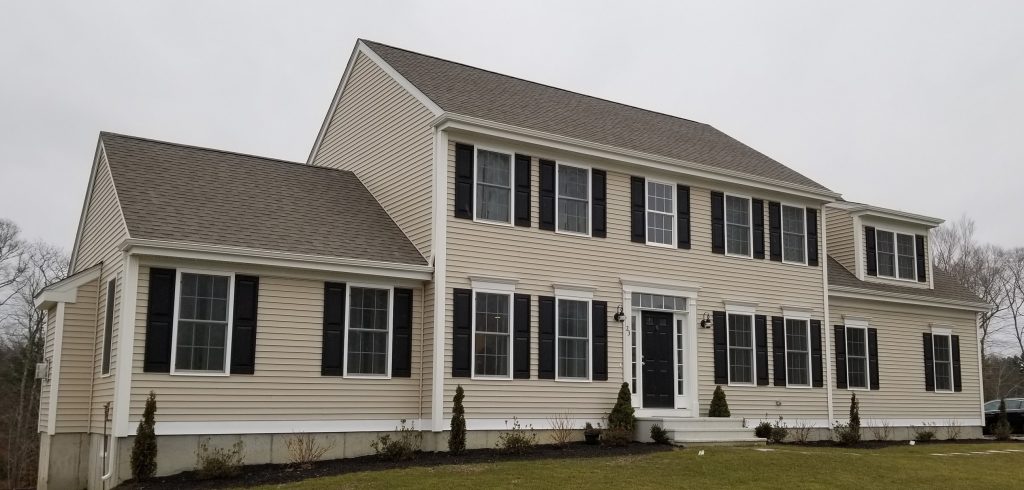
(870, 423)
(439, 252)
(314, 426)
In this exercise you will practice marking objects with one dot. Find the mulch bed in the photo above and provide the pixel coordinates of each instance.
(269, 474)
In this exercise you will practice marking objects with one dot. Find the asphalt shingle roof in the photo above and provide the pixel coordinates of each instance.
(946, 288)
(183, 193)
(470, 91)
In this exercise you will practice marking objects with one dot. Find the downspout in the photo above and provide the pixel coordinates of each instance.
(92, 384)
(827, 361)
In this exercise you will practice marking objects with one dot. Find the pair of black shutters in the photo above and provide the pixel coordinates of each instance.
(872, 253)
(721, 348)
(638, 212)
(929, 362)
(757, 229)
(462, 357)
(841, 374)
(333, 353)
(522, 192)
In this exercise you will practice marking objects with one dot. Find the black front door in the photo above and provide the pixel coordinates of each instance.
(658, 381)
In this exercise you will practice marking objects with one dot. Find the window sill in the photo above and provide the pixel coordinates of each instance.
(367, 376)
(106, 375)
(662, 245)
(739, 256)
(858, 389)
(199, 373)
(509, 224)
(573, 380)
(789, 262)
(477, 377)
(573, 233)
(799, 387)
(742, 385)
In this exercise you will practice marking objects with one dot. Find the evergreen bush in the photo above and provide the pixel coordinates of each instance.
(143, 457)
(719, 406)
(622, 413)
(457, 436)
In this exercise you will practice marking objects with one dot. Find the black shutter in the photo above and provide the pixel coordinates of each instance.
(546, 338)
(523, 195)
(817, 373)
(929, 363)
(599, 205)
(717, 222)
(873, 360)
(547, 195)
(761, 328)
(922, 275)
(159, 321)
(333, 348)
(401, 334)
(957, 381)
(462, 332)
(869, 245)
(683, 215)
(812, 237)
(721, 343)
(521, 337)
(775, 231)
(840, 356)
(600, 344)
(779, 350)
(243, 327)
(757, 226)
(463, 181)
(638, 209)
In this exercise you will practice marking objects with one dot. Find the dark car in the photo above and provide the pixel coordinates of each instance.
(1014, 413)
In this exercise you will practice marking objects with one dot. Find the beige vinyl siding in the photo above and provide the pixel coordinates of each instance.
(74, 391)
(901, 361)
(44, 387)
(841, 245)
(383, 134)
(539, 259)
(103, 389)
(287, 384)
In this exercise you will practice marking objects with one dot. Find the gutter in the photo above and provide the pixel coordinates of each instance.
(894, 297)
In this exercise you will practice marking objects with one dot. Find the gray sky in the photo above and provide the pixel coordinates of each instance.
(912, 105)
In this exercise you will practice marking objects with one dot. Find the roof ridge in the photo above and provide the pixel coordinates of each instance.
(623, 104)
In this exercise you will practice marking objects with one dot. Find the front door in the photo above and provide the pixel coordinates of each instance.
(658, 381)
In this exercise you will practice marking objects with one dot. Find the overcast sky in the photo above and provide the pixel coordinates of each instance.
(916, 106)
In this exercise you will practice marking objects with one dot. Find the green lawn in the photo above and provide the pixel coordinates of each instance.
(788, 467)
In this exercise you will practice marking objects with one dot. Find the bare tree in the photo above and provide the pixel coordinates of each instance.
(1003, 377)
(1014, 294)
(12, 262)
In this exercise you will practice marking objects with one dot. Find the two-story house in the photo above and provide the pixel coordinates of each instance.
(455, 226)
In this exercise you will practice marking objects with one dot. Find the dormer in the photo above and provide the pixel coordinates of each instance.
(881, 245)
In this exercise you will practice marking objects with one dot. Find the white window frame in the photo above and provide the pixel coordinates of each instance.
(935, 360)
(782, 232)
(588, 298)
(753, 346)
(107, 354)
(511, 183)
(750, 224)
(785, 349)
(896, 255)
(511, 332)
(230, 323)
(647, 209)
(590, 198)
(867, 355)
(391, 313)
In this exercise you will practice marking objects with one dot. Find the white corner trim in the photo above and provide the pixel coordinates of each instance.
(439, 250)
(856, 321)
(827, 314)
(574, 292)
(58, 345)
(796, 312)
(125, 347)
(742, 307)
(493, 283)
(631, 284)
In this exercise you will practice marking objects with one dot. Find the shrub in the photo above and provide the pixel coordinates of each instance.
(844, 435)
(457, 436)
(517, 440)
(882, 432)
(719, 406)
(305, 449)
(403, 446)
(924, 434)
(219, 462)
(591, 434)
(854, 426)
(622, 413)
(778, 432)
(953, 430)
(562, 429)
(659, 435)
(1002, 429)
(801, 433)
(143, 457)
(617, 437)
(763, 430)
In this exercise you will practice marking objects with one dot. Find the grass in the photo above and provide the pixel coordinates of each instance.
(790, 467)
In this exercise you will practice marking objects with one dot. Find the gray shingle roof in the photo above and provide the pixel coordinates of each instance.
(946, 288)
(470, 91)
(184, 193)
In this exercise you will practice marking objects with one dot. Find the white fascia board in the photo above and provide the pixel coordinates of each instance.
(66, 290)
(909, 299)
(894, 214)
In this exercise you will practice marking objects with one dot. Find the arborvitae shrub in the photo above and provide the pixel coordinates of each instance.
(854, 426)
(457, 436)
(622, 413)
(719, 406)
(143, 456)
(1002, 429)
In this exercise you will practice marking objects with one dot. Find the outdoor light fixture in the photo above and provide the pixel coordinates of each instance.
(619, 315)
(706, 322)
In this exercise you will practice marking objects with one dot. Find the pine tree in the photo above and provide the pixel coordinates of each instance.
(143, 456)
(854, 427)
(457, 436)
(719, 406)
(622, 413)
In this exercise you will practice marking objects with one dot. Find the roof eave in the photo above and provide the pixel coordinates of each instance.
(66, 290)
(906, 298)
(857, 209)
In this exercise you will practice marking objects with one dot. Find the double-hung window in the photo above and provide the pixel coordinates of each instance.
(573, 199)
(942, 353)
(492, 334)
(108, 325)
(737, 226)
(857, 357)
(741, 348)
(798, 353)
(493, 186)
(202, 324)
(661, 213)
(794, 234)
(895, 253)
(367, 344)
(572, 340)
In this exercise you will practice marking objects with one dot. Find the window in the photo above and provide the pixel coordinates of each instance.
(202, 330)
(660, 213)
(741, 349)
(857, 357)
(492, 339)
(573, 338)
(108, 325)
(737, 225)
(794, 239)
(573, 199)
(366, 346)
(798, 353)
(943, 355)
(493, 186)
(896, 254)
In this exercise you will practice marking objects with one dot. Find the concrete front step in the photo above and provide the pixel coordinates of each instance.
(701, 430)
(689, 442)
(708, 434)
(701, 423)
